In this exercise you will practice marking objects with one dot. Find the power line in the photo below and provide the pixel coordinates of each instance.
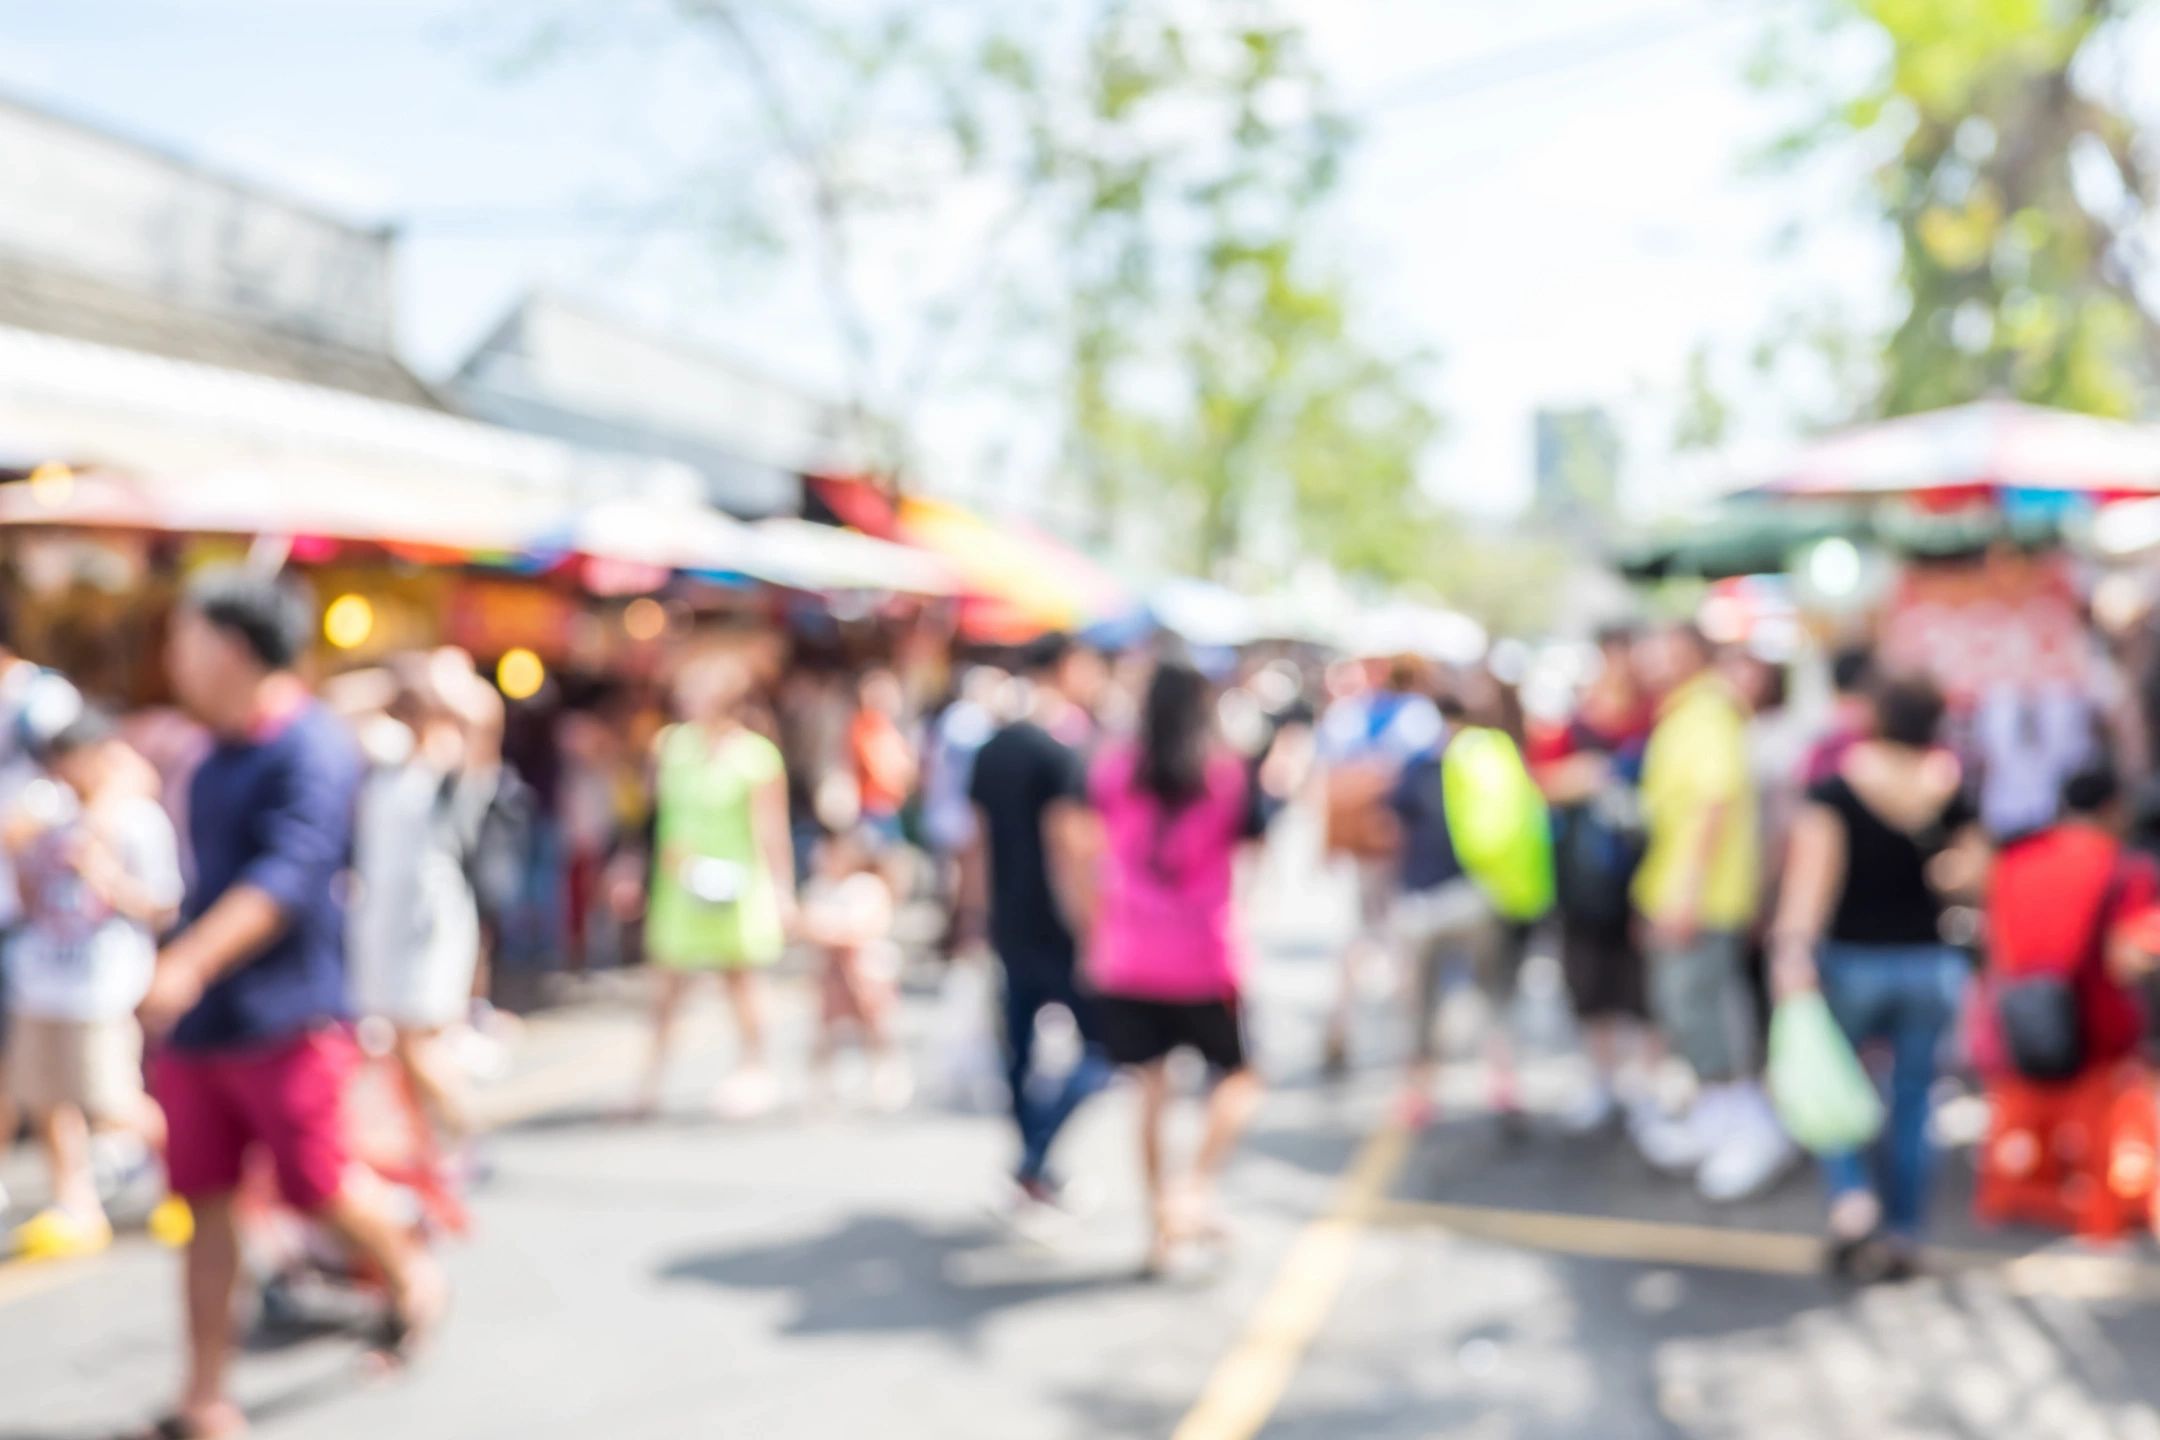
(1548, 55)
(1530, 60)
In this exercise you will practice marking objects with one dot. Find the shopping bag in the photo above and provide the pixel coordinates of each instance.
(1821, 1092)
(1498, 823)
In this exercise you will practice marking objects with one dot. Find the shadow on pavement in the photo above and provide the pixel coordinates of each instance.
(884, 1274)
(291, 1403)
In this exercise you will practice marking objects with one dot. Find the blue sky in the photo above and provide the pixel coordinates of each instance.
(1563, 232)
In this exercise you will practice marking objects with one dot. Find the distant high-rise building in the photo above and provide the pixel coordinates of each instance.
(1578, 464)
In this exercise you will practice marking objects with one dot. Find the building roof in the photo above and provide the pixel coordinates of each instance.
(560, 367)
(54, 301)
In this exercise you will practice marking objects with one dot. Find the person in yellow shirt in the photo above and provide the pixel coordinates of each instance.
(1697, 893)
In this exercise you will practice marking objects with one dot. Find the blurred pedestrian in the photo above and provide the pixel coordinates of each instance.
(1861, 915)
(956, 737)
(100, 873)
(881, 756)
(413, 943)
(1364, 740)
(723, 874)
(1030, 860)
(30, 696)
(1589, 770)
(847, 913)
(1697, 891)
(248, 996)
(1165, 957)
(1448, 928)
(1852, 713)
(1777, 747)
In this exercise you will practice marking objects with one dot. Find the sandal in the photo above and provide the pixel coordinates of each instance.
(400, 1335)
(179, 1427)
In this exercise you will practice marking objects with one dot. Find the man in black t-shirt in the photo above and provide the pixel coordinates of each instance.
(1029, 789)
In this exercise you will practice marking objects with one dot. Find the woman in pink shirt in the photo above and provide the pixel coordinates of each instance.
(1164, 956)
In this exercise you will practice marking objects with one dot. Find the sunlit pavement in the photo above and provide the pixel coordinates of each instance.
(839, 1276)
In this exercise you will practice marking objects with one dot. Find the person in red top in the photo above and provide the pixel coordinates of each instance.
(2059, 900)
(883, 760)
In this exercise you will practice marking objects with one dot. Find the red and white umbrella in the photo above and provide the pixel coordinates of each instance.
(1989, 450)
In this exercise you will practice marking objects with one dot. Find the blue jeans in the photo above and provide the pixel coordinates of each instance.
(1906, 996)
(532, 931)
(1029, 990)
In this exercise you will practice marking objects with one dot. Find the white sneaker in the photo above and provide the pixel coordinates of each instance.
(1679, 1144)
(1755, 1155)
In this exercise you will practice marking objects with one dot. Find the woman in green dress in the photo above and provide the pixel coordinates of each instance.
(723, 873)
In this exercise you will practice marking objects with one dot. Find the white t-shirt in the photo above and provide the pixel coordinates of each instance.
(24, 690)
(74, 958)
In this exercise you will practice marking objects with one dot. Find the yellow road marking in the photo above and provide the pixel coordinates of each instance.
(21, 1279)
(1249, 1382)
(1762, 1252)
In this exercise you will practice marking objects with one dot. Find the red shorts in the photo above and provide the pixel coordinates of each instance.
(288, 1098)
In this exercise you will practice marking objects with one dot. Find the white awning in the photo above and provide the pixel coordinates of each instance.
(807, 556)
(99, 405)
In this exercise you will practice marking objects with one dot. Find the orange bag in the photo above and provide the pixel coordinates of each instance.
(1357, 819)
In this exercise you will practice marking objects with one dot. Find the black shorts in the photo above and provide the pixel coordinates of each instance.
(1140, 1032)
(1606, 976)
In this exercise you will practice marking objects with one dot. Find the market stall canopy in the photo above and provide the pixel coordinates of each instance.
(657, 533)
(126, 410)
(1990, 450)
(474, 517)
(806, 556)
(1744, 537)
(1754, 536)
(1016, 582)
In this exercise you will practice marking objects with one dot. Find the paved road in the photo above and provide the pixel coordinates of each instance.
(838, 1276)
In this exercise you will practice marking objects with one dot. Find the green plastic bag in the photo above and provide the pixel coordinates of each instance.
(1821, 1091)
(1497, 822)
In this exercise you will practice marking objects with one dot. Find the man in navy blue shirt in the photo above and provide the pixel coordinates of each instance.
(249, 995)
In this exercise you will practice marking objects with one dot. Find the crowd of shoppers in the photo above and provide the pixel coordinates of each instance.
(1690, 846)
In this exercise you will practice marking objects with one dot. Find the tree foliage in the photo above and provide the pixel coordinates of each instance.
(2010, 170)
(1135, 191)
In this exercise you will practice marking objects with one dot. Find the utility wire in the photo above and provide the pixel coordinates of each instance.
(1503, 66)
(1551, 55)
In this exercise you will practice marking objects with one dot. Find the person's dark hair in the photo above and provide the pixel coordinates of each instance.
(1176, 724)
(271, 616)
(2092, 789)
(1451, 706)
(1852, 669)
(1616, 635)
(1908, 710)
(1403, 674)
(1045, 653)
(88, 726)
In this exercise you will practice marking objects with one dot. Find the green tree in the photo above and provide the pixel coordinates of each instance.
(2012, 177)
(1141, 189)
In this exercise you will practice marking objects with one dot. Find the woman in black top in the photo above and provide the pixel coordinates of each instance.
(1873, 851)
